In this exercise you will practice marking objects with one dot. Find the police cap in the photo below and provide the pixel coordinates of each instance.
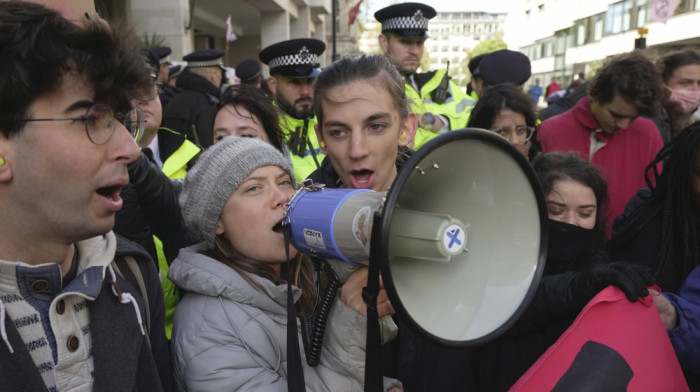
(407, 20)
(248, 70)
(505, 66)
(205, 58)
(295, 58)
(163, 53)
(474, 64)
(174, 71)
(152, 61)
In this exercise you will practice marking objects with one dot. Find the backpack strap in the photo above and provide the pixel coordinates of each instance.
(128, 268)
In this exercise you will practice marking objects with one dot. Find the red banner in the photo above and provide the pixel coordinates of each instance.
(352, 14)
(613, 345)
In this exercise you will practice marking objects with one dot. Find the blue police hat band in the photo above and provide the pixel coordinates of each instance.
(303, 58)
(416, 22)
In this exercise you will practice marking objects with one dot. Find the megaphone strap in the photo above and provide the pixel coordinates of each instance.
(295, 370)
(373, 354)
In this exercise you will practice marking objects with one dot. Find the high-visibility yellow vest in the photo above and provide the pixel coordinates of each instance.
(175, 167)
(456, 108)
(303, 164)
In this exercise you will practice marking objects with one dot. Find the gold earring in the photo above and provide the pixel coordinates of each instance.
(322, 144)
(2, 161)
(402, 136)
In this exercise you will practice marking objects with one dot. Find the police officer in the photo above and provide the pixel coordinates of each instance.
(501, 66)
(249, 73)
(293, 70)
(192, 111)
(165, 91)
(439, 103)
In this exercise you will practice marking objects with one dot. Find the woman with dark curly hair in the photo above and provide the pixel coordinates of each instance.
(659, 229)
(576, 270)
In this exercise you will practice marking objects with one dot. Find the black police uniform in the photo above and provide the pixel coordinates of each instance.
(193, 110)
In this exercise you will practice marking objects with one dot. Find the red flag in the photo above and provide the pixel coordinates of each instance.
(614, 343)
(352, 14)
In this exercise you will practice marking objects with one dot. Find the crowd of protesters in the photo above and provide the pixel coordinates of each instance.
(143, 236)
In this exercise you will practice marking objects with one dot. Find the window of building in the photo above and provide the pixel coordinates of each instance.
(642, 12)
(682, 7)
(548, 48)
(580, 32)
(617, 18)
(455, 48)
(597, 22)
(560, 44)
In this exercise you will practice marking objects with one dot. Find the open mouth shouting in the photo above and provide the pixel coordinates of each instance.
(362, 179)
(110, 196)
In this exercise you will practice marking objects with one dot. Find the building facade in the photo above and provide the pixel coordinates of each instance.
(453, 33)
(188, 25)
(565, 38)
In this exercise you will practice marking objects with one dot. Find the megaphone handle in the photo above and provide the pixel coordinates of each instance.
(373, 355)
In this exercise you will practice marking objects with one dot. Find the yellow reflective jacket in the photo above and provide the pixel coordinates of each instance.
(305, 163)
(456, 108)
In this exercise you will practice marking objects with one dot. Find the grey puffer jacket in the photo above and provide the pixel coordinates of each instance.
(228, 336)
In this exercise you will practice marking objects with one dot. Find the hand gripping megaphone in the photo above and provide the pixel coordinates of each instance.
(459, 239)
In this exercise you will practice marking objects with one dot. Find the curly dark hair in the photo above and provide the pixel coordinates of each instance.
(38, 47)
(635, 78)
(670, 199)
(259, 105)
(553, 167)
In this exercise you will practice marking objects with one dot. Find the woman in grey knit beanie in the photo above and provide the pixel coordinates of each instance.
(230, 328)
(217, 174)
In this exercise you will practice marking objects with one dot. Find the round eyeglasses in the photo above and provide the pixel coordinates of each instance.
(520, 133)
(99, 122)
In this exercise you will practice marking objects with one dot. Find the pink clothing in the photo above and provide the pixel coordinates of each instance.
(622, 157)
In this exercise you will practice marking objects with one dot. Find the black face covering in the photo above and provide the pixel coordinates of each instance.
(567, 244)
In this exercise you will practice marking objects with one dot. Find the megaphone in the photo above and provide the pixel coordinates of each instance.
(460, 238)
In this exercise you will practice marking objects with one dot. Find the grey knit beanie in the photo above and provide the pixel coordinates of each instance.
(217, 174)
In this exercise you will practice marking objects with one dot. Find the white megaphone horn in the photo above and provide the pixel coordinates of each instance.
(460, 238)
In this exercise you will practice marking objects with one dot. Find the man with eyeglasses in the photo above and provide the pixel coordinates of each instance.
(69, 318)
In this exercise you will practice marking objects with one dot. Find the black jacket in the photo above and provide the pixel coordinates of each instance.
(499, 363)
(151, 208)
(192, 111)
(166, 93)
(643, 247)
